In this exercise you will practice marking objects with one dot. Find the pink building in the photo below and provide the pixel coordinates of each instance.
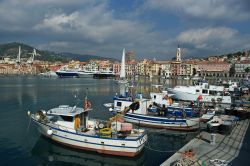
(216, 68)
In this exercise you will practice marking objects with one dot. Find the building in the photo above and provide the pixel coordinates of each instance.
(117, 68)
(213, 69)
(130, 68)
(164, 68)
(175, 68)
(129, 56)
(240, 68)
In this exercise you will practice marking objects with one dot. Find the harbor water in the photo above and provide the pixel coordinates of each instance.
(21, 143)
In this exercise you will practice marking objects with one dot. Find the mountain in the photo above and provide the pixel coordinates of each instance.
(84, 57)
(11, 50)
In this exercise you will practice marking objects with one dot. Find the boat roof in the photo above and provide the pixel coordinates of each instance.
(66, 110)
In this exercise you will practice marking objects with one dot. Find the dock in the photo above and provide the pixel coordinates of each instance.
(202, 149)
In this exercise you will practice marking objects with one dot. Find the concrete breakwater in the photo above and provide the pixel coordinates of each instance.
(200, 150)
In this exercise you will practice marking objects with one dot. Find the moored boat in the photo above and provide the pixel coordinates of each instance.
(142, 112)
(203, 91)
(72, 127)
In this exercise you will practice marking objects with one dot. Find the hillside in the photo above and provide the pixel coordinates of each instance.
(11, 50)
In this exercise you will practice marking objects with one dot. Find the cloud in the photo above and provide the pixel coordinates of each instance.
(207, 34)
(212, 40)
(93, 27)
(229, 10)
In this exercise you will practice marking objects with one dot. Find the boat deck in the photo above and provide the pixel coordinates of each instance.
(226, 147)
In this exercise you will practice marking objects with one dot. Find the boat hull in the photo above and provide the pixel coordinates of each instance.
(103, 76)
(118, 147)
(67, 74)
(163, 122)
(193, 97)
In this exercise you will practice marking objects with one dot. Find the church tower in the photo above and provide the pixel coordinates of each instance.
(178, 54)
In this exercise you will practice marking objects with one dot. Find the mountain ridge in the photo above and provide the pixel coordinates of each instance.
(11, 50)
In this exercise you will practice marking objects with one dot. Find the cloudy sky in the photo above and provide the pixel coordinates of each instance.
(152, 28)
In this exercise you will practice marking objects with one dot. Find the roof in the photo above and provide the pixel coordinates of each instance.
(243, 62)
(65, 110)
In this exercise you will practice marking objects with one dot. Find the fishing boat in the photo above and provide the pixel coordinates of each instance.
(52, 153)
(144, 112)
(203, 92)
(72, 127)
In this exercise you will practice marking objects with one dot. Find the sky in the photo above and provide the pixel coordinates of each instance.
(151, 28)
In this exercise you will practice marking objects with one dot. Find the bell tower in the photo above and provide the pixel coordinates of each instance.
(178, 54)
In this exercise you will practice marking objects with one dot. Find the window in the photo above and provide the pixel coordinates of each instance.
(154, 96)
(67, 118)
(197, 90)
(205, 91)
(119, 104)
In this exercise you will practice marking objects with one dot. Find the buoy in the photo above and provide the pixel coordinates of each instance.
(44, 112)
(110, 109)
(101, 125)
(28, 113)
(49, 132)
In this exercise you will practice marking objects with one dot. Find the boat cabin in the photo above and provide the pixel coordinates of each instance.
(71, 118)
(121, 105)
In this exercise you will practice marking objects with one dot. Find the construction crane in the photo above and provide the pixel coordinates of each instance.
(31, 59)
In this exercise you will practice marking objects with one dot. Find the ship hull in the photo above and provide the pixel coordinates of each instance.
(118, 147)
(163, 122)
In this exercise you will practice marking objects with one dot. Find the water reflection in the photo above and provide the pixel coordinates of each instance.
(52, 153)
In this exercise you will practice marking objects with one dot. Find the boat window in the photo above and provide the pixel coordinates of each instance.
(204, 91)
(197, 90)
(212, 92)
(119, 104)
(154, 96)
(67, 118)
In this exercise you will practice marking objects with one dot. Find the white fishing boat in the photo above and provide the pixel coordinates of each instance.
(160, 96)
(142, 112)
(203, 91)
(122, 79)
(72, 127)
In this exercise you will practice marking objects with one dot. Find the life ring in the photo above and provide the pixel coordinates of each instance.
(106, 131)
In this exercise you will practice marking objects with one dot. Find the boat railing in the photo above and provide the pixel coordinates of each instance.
(61, 127)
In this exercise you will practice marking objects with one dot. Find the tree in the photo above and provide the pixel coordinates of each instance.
(194, 71)
(247, 70)
(232, 71)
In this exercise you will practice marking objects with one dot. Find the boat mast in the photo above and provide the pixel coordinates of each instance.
(123, 72)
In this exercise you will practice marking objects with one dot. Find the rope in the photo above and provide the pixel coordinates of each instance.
(28, 125)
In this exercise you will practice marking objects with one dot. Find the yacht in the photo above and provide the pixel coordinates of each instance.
(104, 74)
(203, 92)
(71, 126)
(86, 73)
(67, 72)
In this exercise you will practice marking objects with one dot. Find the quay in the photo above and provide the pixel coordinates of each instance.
(203, 149)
